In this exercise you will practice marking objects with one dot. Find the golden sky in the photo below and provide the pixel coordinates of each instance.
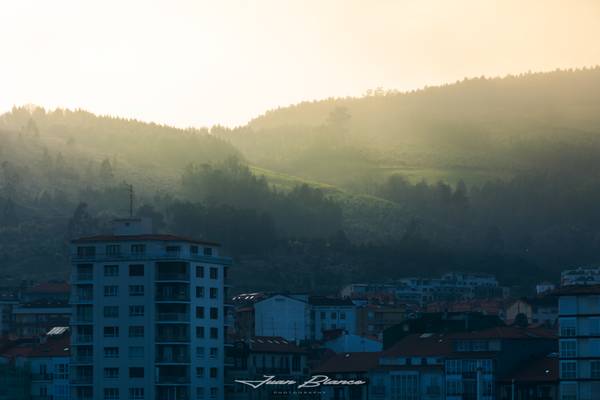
(199, 63)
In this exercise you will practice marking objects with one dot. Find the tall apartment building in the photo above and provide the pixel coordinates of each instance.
(149, 317)
(579, 342)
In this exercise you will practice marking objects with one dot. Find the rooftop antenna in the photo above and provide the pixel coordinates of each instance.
(130, 201)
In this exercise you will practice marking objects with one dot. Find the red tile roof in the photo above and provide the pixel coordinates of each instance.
(349, 362)
(507, 332)
(141, 238)
(421, 345)
(272, 344)
(53, 347)
(50, 287)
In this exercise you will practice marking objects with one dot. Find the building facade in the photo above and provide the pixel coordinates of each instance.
(148, 316)
(579, 342)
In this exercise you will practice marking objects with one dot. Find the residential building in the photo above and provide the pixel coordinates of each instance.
(538, 310)
(412, 369)
(330, 314)
(148, 313)
(258, 356)
(33, 319)
(283, 315)
(367, 291)
(7, 303)
(347, 366)
(54, 291)
(373, 319)
(580, 276)
(579, 341)
(482, 358)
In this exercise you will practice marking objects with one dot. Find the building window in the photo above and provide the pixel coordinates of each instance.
(214, 333)
(111, 270)
(323, 314)
(568, 369)
(342, 315)
(111, 352)
(567, 327)
(200, 332)
(214, 293)
(214, 372)
(199, 312)
(136, 393)
(199, 352)
(173, 250)
(295, 363)
(199, 393)
(136, 351)
(111, 394)
(86, 251)
(136, 270)
(568, 391)
(214, 273)
(194, 250)
(136, 290)
(199, 291)
(111, 311)
(214, 392)
(333, 315)
(111, 291)
(113, 250)
(208, 251)
(214, 352)
(136, 331)
(111, 373)
(199, 372)
(199, 271)
(214, 313)
(136, 372)
(136, 311)
(568, 348)
(111, 331)
(138, 249)
(595, 369)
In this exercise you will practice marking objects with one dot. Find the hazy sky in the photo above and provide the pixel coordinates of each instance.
(195, 63)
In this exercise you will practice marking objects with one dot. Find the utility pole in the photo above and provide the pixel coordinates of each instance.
(130, 201)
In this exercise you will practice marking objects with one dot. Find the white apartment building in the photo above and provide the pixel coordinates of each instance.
(300, 317)
(580, 276)
(450, 287)
(149, 317)
(579, 342)
(282, 315)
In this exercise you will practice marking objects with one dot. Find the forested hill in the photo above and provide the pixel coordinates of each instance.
(473, 129)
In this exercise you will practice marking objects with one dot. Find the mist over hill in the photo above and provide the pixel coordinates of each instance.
(499, 175)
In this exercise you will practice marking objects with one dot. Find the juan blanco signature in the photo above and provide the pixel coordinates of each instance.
(314, 381)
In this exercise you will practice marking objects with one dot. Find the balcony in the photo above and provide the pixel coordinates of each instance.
(82, 380)
(164, 296)
(41, 377)
(172, 380)
(172, 339)
(82, 319)
(173, 359)
(82, 359)
(83, 338)
(173, 276)
(173, 317)
(78, 298)
(83, 276)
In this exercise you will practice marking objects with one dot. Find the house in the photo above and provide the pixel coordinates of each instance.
(412, 369)
(37, 317)
(283, 315)
(253, 358)
(482, 358)
(539, 310)
(347, 366)
(373, 319)
(330, 313)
